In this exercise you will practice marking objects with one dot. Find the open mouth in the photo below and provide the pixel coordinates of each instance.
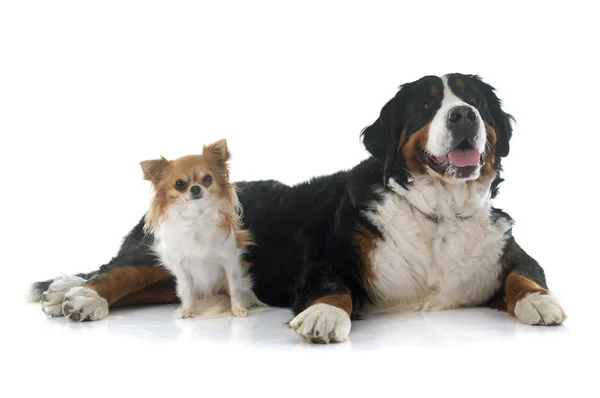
(462, 161)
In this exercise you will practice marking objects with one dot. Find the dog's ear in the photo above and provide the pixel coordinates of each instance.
(503, 121)
(382, 140)
(154, 170)
(217, 152)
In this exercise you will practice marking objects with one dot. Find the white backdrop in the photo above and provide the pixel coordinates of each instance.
(89, 89)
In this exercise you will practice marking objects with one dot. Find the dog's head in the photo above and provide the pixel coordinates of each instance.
(451, 127)
(190, 185)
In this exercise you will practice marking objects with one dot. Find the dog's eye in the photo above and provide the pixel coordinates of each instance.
(207, 180)
(180, 185)
(427, 105)
(472, 101)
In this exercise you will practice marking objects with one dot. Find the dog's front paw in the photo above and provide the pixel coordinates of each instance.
(84, 304)
(540, 309)
(182, 313)
(239, 311)
(322, 323)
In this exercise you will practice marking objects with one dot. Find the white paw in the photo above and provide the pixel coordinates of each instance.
(83, 304)
(239, 311)
(182, 313)
(52, 299)
(322, 323)
(540, 309)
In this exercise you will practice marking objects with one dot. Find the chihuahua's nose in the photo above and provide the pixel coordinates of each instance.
(196, 191)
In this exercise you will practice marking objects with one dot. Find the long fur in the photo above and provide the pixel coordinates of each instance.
(196, 227)
(399, 230)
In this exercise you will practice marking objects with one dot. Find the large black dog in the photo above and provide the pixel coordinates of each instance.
(411, 228)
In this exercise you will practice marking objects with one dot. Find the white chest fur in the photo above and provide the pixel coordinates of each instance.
(441, 248)
(197, 247)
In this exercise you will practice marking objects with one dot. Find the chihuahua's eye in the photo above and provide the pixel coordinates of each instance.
(207, 180)
(427, 105)
(180, 185)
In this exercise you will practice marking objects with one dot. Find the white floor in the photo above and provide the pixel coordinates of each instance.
(144, 352)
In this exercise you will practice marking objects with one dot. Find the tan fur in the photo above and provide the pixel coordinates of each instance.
(416, 164)
(341, 301)
(156, 293)
(410, 149)
(365, 243)
(434, 91)
(192, 169)
(121, 281)
(488, 169)
(518, 286)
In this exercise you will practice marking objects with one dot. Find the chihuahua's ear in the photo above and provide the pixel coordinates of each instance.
(217, 152)
(155, 169)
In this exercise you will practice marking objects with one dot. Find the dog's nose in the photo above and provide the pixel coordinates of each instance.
(463, 125)
(461, 116)
(196, 191)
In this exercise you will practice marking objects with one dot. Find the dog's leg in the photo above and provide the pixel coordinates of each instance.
(324, 307)
(526, 294)
(162, 292)
(185, 291)
(92, 300)
(235, 286)
(88, 296)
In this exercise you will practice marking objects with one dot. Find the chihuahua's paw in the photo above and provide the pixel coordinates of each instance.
(83, 304)
(182, 313)
(52, 299)
(239, 311)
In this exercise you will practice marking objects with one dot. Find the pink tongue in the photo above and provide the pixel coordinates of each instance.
(462, 158)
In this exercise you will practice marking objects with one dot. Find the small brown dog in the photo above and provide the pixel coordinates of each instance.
(195, 220)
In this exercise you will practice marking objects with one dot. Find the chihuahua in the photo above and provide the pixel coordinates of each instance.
(195, 219)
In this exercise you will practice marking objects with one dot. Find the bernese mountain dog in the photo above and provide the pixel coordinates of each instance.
(411, 228)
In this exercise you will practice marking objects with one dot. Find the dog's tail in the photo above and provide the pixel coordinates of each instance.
(213, 306)
(35, 290)
(220, 305)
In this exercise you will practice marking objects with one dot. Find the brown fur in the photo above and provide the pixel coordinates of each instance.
(460, 83)
(434, 91)
(410, 149)
(365, 243)
(342, 301)
(156, 293)
(488, 170)
(121, 281)
(518, 286)
(243, 237)
(192, 169)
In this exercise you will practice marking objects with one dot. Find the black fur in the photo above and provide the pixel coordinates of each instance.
(304, 233)
(489, 107)
(520, 261)
(404, 112)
